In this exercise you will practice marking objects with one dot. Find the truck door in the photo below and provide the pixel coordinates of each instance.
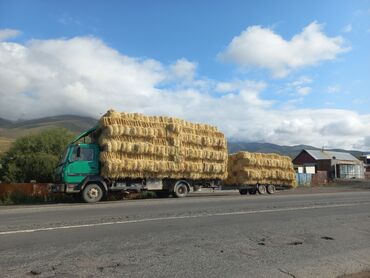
(83, 161)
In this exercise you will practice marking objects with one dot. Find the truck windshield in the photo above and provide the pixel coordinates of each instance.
(63, 157)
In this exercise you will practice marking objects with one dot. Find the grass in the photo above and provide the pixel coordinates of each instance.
(5, 144)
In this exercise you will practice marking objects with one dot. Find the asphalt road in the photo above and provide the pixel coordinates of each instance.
(305, 235)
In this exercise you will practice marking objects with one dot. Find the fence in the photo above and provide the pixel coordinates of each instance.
(28, 189)
(304, 179)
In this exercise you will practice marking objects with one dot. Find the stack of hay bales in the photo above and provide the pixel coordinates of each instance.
(246, 168)
(138, 146)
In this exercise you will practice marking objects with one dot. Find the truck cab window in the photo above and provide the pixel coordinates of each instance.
(85, 154)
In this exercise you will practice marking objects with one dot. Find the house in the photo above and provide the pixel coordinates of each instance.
(366, 159)
(338, 165)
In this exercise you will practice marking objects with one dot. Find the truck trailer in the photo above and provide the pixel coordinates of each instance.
(131, 152)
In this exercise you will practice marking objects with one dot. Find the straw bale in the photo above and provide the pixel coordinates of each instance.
(252, 168)
(137, 146)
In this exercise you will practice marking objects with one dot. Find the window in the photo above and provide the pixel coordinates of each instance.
(86, 154)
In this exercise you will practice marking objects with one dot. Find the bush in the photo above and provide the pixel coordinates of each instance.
(34, 157)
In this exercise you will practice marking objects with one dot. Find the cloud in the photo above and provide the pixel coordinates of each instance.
(300, 85)
(262, 48)
(184, 69)
(302, 80)
(347, 28)
(303, 91)
(6, 34)
(333, 89)
(84, 76)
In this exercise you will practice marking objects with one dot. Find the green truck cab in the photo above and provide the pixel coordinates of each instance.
(77, 167)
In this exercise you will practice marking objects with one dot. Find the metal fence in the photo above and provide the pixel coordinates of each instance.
(303, 179)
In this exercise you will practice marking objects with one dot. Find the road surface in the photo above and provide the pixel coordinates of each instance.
(295, 235)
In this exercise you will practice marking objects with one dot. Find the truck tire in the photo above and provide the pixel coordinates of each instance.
(261, 189)
(180, 190)
(92, 193)
(271, 189)
(243, 191)
(252, 191)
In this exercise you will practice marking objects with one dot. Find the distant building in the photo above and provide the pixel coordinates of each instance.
(366, 160)
(338, 165)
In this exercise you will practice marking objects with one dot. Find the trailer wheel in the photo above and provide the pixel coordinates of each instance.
(271, 189)
(92, 193)
(252, 191)
(243, 191)
(261, 189)
(180, 190)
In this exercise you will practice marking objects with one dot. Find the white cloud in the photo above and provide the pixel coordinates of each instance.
(84, 76)
(263, 48)
(300, 86)
(6, 34)
(303, 91)
(333, 89)
(302, 80)
(347, 28)
(184, 69)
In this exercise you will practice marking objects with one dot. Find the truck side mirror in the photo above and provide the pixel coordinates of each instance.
(78, 152)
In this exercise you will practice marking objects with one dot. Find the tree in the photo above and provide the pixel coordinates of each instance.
(34, 157)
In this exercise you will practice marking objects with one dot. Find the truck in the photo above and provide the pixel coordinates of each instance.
(82, 170)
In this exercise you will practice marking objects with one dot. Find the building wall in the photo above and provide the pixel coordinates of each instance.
(324, 165)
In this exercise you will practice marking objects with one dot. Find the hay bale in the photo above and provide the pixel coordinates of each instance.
(251, 168)
(138, 146)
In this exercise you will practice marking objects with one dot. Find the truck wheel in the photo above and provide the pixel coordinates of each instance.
(92, 193)
(252, 191)
(271, 189)
(261, 189)
(243, 191)
(180, 190)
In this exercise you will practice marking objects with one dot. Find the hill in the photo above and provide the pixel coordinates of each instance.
(10, 131)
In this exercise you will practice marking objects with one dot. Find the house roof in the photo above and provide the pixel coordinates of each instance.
(323, 155)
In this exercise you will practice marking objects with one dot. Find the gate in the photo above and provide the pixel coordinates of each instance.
(303, 179)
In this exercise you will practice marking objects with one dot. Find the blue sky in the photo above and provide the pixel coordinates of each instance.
(191, 52)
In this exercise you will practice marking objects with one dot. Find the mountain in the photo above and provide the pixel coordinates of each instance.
(11, 130)
(291, 151)
(4, 122)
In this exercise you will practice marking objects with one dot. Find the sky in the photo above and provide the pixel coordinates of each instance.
(283, 72)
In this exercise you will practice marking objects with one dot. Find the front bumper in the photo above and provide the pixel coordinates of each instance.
(57, 188)
(64, 188)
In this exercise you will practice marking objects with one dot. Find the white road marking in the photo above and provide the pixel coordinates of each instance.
(179, 217)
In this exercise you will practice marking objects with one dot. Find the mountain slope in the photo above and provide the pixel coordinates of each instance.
(10, 131)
